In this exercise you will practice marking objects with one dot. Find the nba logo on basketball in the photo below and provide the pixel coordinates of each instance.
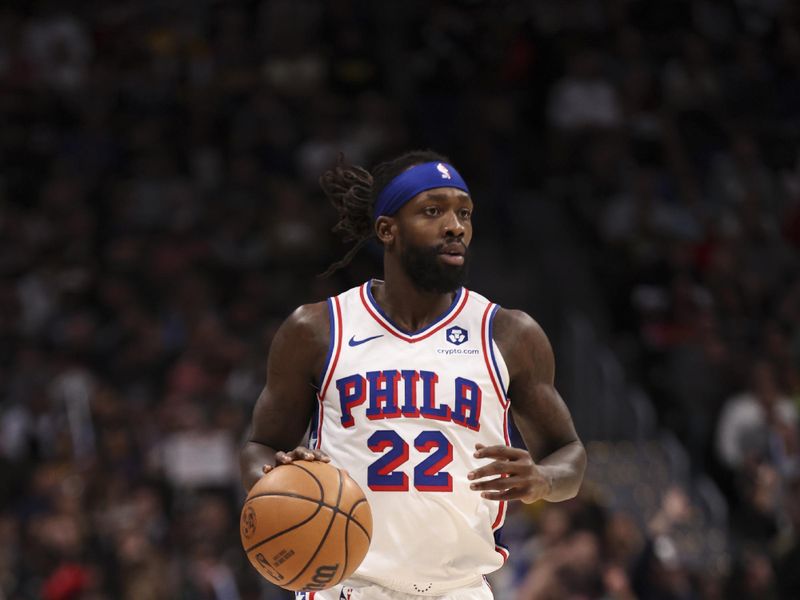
(457, 336)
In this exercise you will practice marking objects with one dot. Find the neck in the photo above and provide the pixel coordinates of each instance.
(409, 307)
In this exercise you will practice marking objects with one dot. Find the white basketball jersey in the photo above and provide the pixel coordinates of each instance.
(402, 412)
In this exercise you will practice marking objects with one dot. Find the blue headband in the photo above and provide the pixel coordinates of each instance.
(415, 180)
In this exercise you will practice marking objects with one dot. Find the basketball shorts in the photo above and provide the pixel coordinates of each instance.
(355, 589)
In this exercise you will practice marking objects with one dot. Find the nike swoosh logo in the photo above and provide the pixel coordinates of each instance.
(354, 342)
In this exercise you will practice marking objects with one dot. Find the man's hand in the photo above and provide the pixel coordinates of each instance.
(299, 453)
(519, 477)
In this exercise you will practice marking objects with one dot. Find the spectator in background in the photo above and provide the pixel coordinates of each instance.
(59, 49)
(759, 424)
(788, 553)
(584, 98)
(156, 216)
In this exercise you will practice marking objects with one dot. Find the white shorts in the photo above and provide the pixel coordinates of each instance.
(357, 589)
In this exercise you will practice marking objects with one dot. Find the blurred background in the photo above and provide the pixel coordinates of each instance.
(636, 172)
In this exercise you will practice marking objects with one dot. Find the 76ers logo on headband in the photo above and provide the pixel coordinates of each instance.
(456, 335)
(443, 170)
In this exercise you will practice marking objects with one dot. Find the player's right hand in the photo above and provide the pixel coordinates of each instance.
(299, 453)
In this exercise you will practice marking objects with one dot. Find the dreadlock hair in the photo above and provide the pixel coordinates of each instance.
(353, 190)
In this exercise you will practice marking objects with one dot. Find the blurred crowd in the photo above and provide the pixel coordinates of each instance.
(160, 216)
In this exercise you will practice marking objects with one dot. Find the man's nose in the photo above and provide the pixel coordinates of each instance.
(453, 226)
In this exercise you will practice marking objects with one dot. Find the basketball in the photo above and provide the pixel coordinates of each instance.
(306, 526)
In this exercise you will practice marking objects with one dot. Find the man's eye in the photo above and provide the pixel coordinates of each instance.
(432, 211)
(466, 214)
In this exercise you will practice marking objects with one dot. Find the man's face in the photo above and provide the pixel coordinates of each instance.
(435, 230)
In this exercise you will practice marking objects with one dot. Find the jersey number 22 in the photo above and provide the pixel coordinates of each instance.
(382, 475)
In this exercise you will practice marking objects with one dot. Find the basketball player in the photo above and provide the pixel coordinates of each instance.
(414, 378)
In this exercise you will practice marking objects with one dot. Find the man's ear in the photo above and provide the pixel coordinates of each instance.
(386, 230)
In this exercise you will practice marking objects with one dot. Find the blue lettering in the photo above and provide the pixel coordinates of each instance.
(467, 411)
(410, 379)
(385, 400)
(351, 394)
(383, 394)
(429, 409)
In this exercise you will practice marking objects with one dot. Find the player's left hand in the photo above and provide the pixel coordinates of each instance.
(519, 478)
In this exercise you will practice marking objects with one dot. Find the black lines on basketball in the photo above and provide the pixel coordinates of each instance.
(346, 546)
(313, 556)
(330, 523)
(287, 530)
(339, 491)
(336, 509)
(314, 477)
(296, 526)
(346, 524)
(292, 495)
(351, 518)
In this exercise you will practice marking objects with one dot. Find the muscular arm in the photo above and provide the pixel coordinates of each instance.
(538, 410)
(283, 410)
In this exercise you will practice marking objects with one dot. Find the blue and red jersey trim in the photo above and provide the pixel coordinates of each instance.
(334, 351)
(491, 351)
(377, 313)
(489, 356)
(487, 342)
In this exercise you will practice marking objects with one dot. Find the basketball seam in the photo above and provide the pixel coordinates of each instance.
(335, 509)
(346, 527)
(327, 531)
(313, 556)
(287, 530)
(350, 517)
(346, 548)
(314, 477)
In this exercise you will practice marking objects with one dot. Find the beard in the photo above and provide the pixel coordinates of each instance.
(429, 274)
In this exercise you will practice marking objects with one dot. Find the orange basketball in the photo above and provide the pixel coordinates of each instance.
(306, 525)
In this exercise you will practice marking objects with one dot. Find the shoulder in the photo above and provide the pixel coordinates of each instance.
(308, 321)
(742, 401)
(303, 338)
(787, 409)
(517, 326)
(308, 316)
(742, 407)
(523, 343)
